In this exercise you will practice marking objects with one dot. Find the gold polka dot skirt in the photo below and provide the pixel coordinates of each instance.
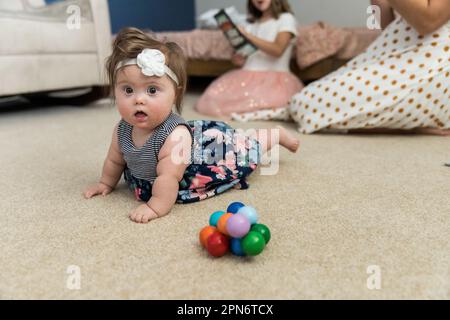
(400, 82)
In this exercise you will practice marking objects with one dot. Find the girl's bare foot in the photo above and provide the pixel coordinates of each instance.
(288, 140)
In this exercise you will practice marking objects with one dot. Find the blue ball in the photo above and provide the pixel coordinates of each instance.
(215, 217)
(234, 207)
(250, 213)
(236, 247)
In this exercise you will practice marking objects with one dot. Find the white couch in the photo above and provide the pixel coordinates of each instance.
(39, 52)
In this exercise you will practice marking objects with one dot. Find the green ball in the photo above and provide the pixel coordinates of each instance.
(253, 243)
(262, 228)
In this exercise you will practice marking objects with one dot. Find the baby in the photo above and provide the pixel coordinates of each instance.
(165, 159)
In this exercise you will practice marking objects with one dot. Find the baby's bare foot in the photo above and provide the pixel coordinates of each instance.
(288, 140)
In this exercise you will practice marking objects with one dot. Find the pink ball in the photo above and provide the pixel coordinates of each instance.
(238, 225)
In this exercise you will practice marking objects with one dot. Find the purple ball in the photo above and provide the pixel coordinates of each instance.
(238, 225)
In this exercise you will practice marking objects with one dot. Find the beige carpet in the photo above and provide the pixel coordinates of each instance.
(342, 204)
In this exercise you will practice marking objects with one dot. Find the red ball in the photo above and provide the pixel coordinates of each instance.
(217, 244)
(205, 233)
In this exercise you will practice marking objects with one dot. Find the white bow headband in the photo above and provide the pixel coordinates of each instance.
(152, 63)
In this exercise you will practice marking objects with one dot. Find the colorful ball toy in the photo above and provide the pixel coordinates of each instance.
(222, 223)
(261, 228)
(253, 243)
(236, 247)
(236, 230)
(234, 207)
(217, 244)
(205, 233)
(238, 225)
(250, 213)
(215, 217)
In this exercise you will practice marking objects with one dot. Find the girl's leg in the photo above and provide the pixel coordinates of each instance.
(267, 138)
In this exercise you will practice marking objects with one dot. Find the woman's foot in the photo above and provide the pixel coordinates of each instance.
(288, 140)
(433, 131)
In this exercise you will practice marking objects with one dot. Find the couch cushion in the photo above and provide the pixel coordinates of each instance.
(26, 36)
(31, 73)
(11, 5)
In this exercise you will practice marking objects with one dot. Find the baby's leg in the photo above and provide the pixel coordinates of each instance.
(268, 138)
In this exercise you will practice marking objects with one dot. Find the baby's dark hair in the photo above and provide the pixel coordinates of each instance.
(278, 7)
(130, 42)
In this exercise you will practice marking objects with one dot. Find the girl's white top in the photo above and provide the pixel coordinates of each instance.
(268, 30)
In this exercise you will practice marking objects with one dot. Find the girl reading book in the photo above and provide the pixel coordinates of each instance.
(262, 88)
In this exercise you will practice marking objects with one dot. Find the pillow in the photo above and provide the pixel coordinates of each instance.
(317, 42)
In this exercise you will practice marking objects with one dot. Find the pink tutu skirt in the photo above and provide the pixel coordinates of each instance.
(241, 91)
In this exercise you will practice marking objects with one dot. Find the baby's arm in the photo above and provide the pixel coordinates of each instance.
(174, 158)
(112, 170)
(275, 48)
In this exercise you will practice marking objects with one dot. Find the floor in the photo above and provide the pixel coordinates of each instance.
(352, 216)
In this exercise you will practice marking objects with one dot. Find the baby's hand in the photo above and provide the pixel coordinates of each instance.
(96, 189)
(143, 214)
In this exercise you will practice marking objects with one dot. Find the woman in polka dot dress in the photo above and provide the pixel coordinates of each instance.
(400, 82)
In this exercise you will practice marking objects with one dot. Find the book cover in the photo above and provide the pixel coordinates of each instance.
(237, 40)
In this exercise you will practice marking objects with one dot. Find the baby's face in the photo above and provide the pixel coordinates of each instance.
(144, 102)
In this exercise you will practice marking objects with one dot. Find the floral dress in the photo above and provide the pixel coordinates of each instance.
(222, 158)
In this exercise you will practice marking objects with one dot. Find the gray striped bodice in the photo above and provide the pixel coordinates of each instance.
(142, 161)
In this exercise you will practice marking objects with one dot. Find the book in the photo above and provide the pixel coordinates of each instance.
(238, 41)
